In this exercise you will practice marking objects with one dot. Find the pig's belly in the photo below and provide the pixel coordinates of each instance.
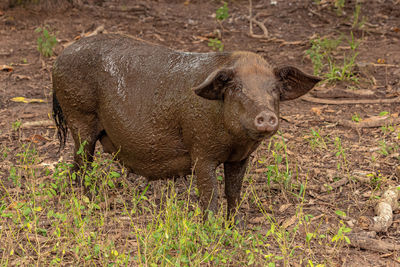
(158, 168)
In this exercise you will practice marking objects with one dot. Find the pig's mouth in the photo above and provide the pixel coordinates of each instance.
(258, 136)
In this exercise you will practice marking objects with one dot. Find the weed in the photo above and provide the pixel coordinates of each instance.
(339, 5)
(216, 44)
(178, 235)
(383, 113)
(222, 13)
(274, 171)
(386, 148)
(344, 72)
(16, 125)
(356, 117)
(357, 23)
(340, 153)
(320, 50)
(46, 41)
(4, 152)
(376, 180)
(386, 128)
(316, 140)
(321, 55)
(340, 237)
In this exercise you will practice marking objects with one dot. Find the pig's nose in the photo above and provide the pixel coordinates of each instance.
(266, 121)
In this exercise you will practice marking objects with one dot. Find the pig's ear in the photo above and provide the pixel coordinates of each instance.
(214, 85)
(293, 82)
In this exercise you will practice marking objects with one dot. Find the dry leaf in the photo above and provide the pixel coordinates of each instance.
(36, 138)
(257, 220)
(381, 61)
(289, 221)
(316, 110)
(284, 207)
(6, 68)
(26, 100)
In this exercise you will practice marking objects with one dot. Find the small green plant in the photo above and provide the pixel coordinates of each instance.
(222, 13)
(16, 125)
(321, 48)
(376, 180)
(316, 140)
(46, 41)
(387, 148)
(322, 57)
(356, 117)
(341, 237)
(383, 113)
(278, 171)
(339, 5)
(387, 128)
(357, 23)
(340, 153)
(216, 44)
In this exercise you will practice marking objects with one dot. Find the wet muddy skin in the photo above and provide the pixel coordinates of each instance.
(168, 112)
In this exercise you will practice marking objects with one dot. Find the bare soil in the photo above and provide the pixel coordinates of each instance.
(187, 25)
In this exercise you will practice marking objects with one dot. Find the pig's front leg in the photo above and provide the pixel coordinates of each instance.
(234, 172)
(207, 185)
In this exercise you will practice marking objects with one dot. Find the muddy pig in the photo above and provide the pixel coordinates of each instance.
(166, 113)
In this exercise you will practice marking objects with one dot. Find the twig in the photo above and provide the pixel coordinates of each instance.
(334, 185)
(44, 123)
(259, 24)
(344, 93)
(368, 123)
(350, 101)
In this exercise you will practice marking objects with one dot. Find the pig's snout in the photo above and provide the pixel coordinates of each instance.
(266, 121)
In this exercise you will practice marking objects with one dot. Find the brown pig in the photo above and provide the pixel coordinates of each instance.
(167, 112)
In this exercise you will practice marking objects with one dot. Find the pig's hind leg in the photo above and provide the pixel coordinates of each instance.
(105, 141)
(85, 131)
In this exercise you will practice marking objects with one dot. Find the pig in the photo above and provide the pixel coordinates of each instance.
(167, 113)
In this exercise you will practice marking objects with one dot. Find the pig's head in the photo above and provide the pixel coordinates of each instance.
(251, 91)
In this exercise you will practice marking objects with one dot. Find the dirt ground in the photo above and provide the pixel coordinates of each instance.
(370, 155)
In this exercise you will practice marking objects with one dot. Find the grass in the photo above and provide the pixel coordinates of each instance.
(326, 63)
(120, 220)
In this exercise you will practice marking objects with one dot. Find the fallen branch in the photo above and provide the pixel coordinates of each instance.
(372, 122)
(43, 123)
(99, 29)
(361, 240)
(258, 23)
(334, 185)
(350, 101)
(344, 93)
(384, 209)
